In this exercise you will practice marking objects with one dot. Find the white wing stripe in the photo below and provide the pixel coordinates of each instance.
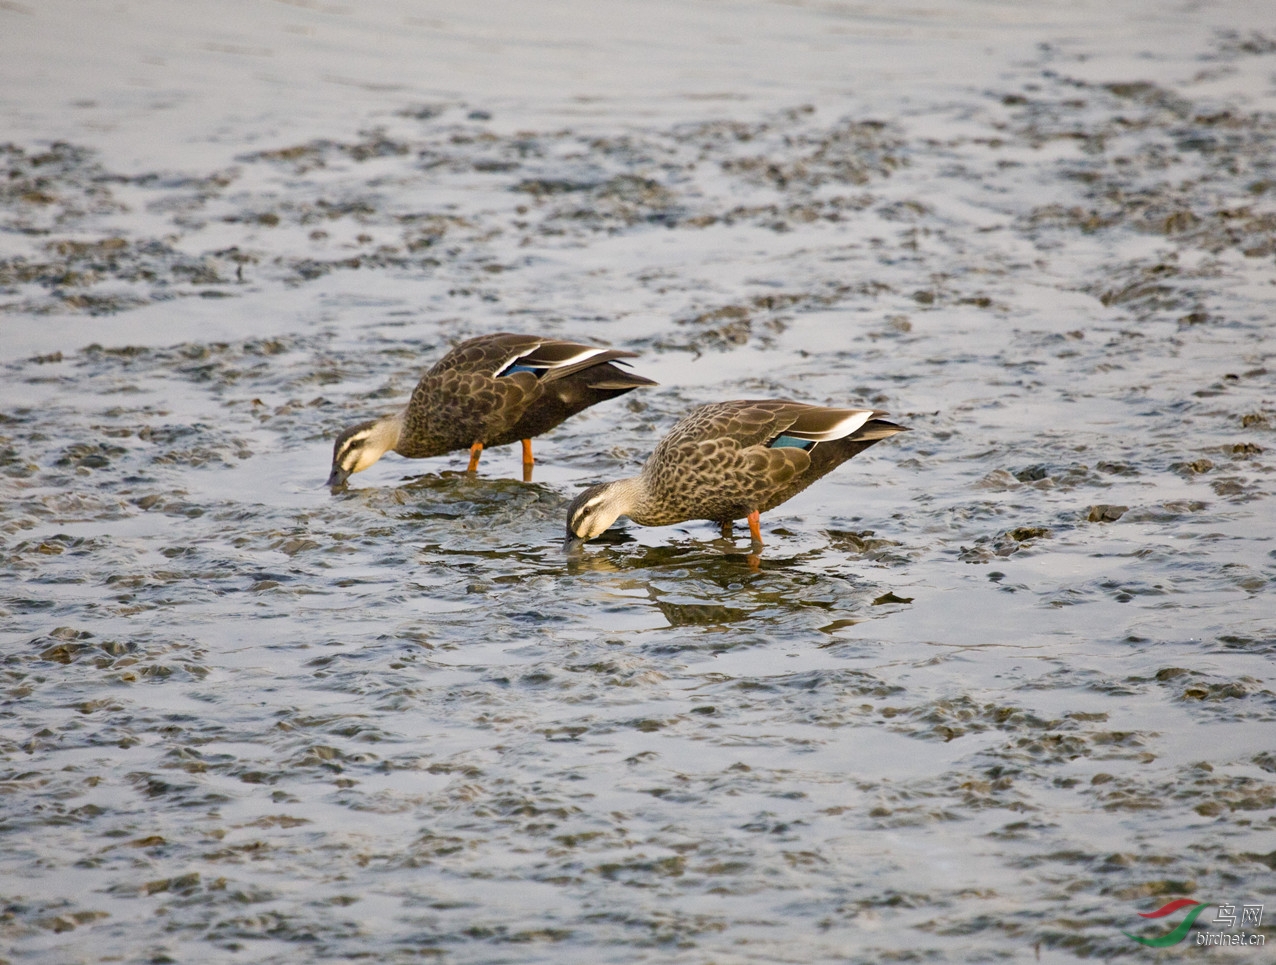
(588, 353)
(839, 430)
(520, 358)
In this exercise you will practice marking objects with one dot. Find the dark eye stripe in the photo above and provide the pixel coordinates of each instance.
(586, 510)
(351, 447)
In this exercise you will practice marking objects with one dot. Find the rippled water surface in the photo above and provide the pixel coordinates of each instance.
(997, 686)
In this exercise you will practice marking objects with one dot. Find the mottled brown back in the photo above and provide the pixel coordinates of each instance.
(461, 401)
(715, 464)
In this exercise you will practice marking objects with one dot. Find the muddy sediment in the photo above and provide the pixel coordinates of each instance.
(998, 685)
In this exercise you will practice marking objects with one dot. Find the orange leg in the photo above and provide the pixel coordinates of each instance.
(755, 531)
(527, 460)
(726, 529)
(475, 451)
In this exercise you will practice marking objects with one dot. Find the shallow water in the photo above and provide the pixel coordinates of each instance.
(997, 686)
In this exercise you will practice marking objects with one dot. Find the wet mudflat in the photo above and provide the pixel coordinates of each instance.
(997, 686)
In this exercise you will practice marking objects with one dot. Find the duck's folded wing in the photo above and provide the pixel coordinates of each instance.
(552, 360)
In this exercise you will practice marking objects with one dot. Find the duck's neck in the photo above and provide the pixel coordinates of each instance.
(635, 495)
(623, 497)
(388, 430)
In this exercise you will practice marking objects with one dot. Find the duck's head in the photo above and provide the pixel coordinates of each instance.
(595, 509)
(360, 446)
